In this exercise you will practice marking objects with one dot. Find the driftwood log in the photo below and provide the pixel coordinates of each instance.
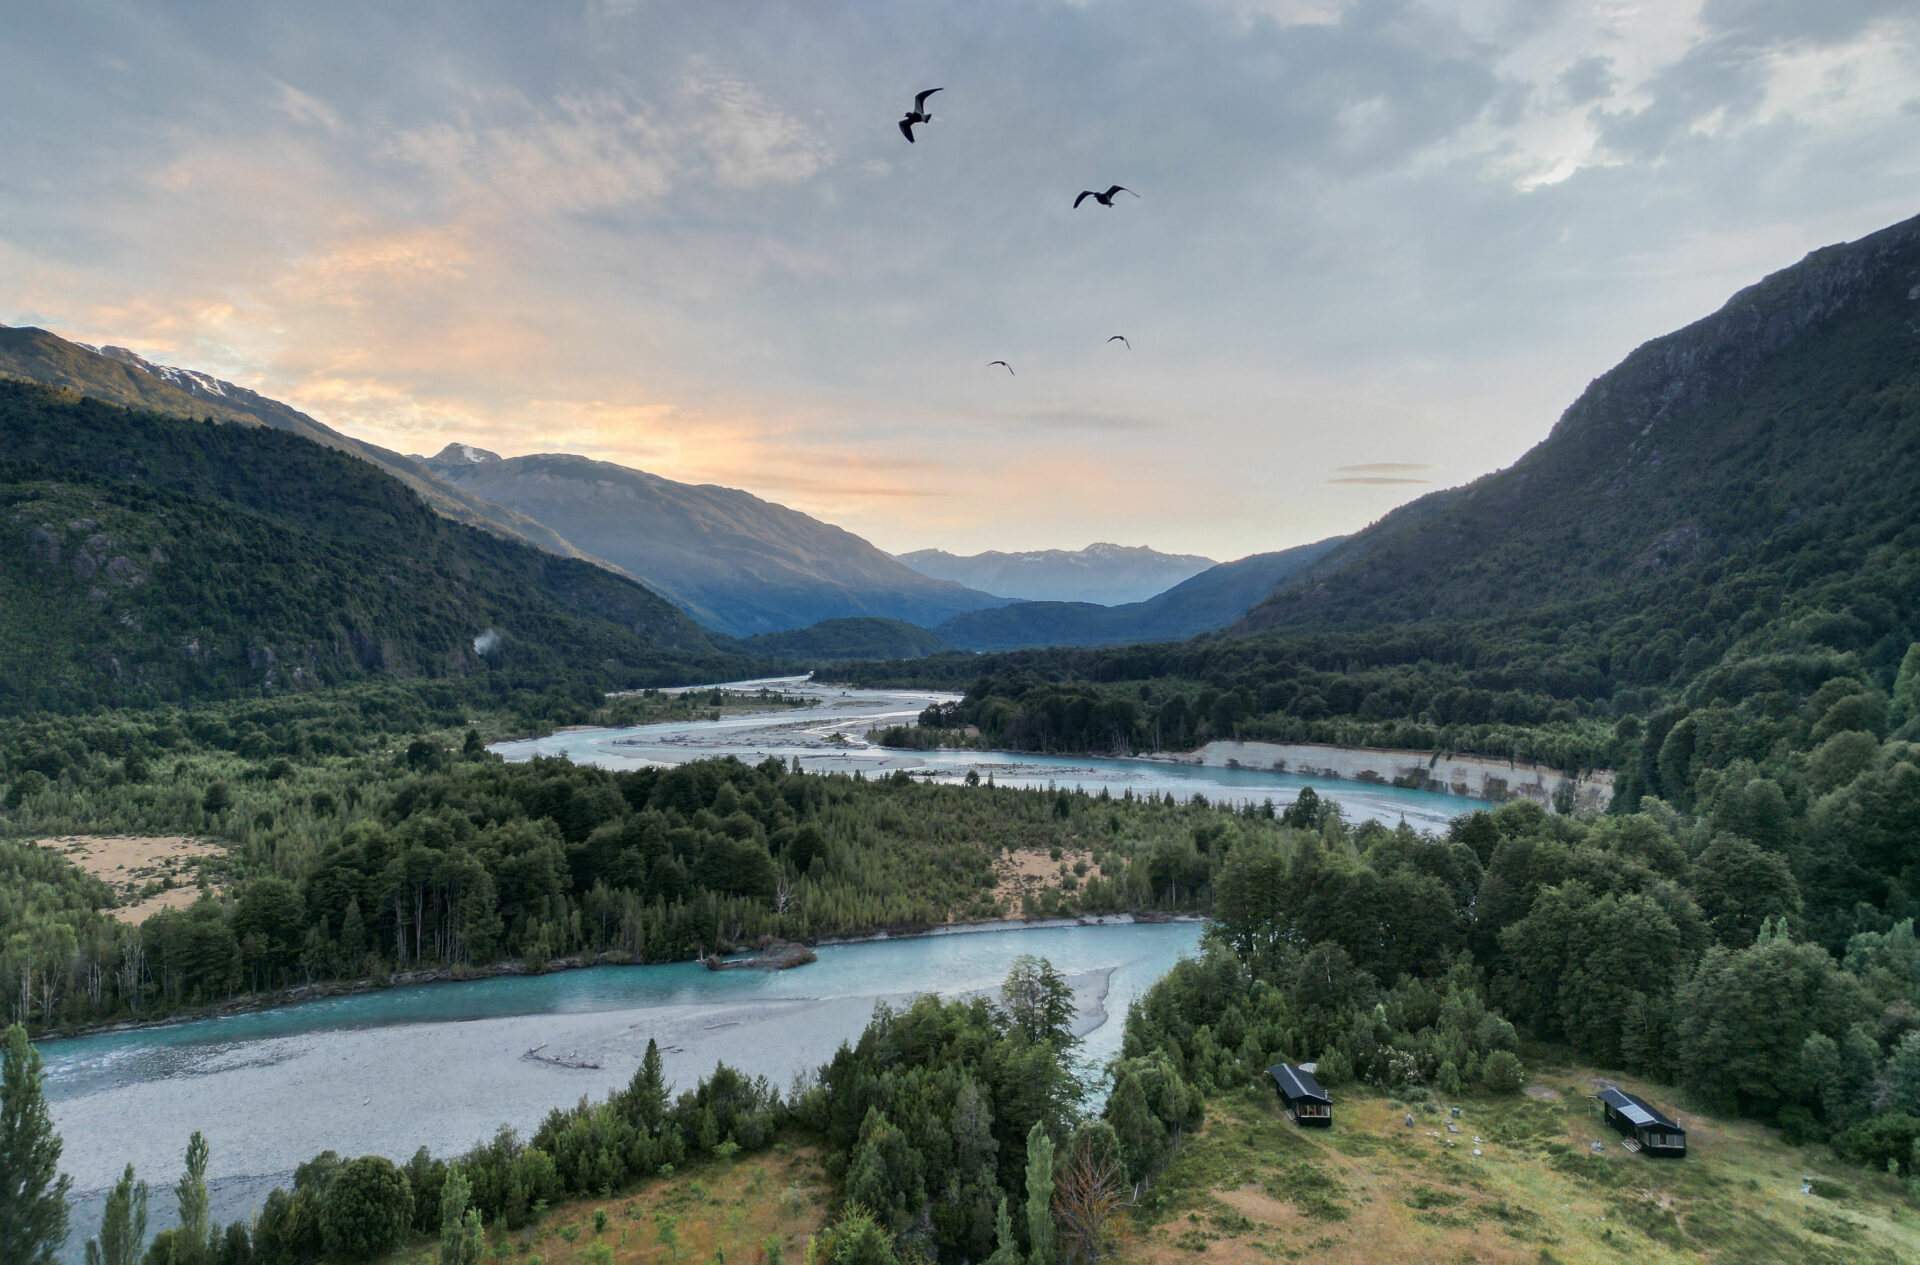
(775, 957)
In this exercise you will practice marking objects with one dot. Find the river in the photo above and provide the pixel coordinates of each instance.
(444, 1065)
(829, 735)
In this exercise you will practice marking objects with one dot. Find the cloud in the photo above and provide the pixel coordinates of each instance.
(694, 242)
(1384, 467)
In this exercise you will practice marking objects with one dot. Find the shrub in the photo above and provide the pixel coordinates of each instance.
(1502, 1073)
(368, 1209)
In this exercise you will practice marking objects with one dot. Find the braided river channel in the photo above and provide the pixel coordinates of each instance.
(445, 1065)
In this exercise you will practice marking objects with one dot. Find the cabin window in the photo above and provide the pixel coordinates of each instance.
(1314, 1109)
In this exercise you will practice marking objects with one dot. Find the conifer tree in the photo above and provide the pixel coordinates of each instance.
(1039, 1197)
(123, 1224)
(33, 1193)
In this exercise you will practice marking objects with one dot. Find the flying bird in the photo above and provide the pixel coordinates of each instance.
(1104, 199)
(1121, 338)
(918, 114)
(1003, 364)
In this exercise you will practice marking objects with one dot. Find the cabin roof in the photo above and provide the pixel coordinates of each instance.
(1297, 1082)
(1636, 1109)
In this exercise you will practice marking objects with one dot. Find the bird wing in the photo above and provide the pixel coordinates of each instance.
(1084, 195)
(1120, 188)
(920, 98)
(906, 130)
(1003, 364)
(1121, 338)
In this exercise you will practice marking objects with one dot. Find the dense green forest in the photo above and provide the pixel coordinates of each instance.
(838, 640)
(370, 833)
(153, 559)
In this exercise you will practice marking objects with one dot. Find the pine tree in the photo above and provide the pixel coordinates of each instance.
(1006, 1251)
(1039, 1197)
(123, 1224)
(190, 1194)
(33, 1193)
(453, 1212)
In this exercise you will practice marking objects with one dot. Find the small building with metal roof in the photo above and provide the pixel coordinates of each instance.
(1644, 1126)
(1301, 1096)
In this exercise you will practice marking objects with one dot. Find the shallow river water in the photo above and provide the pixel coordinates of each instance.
(444, 1065)
(829, 736)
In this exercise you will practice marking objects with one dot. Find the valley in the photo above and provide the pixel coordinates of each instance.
(546, 851)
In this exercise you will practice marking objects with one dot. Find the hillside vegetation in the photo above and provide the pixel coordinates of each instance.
(118, 376)
(1724, 520)
(148, 558)
(733, 561)
(839, 640)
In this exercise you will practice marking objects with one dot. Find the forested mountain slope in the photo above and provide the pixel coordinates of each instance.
(840, 640)
(119, 376)
(1205, 602)
(151, 559)
(730, 559)
(1102, 573)
(1768, 446)
(1725, 521)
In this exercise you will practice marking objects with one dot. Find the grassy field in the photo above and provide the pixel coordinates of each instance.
(1253, 1188)
(757, 1210)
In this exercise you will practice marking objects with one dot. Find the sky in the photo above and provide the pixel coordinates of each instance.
(1378, 247)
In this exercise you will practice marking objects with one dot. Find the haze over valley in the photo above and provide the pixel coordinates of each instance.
(1041, 634)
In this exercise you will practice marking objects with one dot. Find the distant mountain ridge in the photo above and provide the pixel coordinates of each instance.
(735, 562)
(1205, 602)
(119, 376)
(1102, 573)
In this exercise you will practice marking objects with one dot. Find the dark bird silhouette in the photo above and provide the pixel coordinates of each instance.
(1104, 199)
(1121, 338)
(1003, 364)
(918, 114)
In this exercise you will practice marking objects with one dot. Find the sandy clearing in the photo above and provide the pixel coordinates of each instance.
(1033, 871)
(128, 863)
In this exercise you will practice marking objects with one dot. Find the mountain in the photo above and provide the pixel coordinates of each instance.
(842, 640)
(151, 559)
(1768, 450)
(731, 560)
(1208, 601)
(121, 377)
(1107, 575)
(1715, 551)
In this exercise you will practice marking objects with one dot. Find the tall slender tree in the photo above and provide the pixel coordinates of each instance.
(190, 1194)
(1039, 1197)
(453, 1216)
(123, 1225)
(33, 1192)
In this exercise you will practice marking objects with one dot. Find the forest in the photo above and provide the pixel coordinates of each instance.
(369, 833)
(158, 560)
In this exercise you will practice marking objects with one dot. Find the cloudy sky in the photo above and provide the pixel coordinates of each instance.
(1379, 245)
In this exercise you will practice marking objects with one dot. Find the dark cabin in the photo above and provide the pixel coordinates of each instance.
(1644, 1125)
(1302, 1096)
